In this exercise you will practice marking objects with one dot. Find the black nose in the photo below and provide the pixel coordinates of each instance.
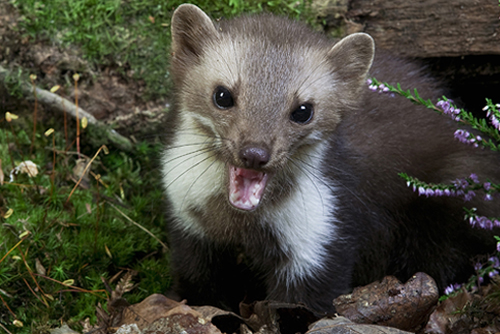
(254, 157)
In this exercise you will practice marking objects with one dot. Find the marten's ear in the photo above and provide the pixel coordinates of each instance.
(191, 28)
(352, 57)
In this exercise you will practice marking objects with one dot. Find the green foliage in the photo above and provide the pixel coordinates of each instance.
(458, 114)
(49, 235)
(132, 35)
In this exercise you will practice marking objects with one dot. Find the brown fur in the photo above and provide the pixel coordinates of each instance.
(345, 161)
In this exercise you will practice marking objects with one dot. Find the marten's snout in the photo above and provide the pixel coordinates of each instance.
(254, 157)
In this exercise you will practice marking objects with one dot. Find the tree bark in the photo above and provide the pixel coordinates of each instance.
(429, 28)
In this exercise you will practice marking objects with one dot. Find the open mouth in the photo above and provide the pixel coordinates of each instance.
(246, 187)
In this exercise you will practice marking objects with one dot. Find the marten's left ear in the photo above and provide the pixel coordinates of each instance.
(352, 57)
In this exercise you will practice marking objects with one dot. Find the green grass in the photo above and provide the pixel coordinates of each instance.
(70, 238)
(132, 35)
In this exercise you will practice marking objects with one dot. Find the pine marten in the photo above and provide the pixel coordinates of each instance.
(281, 166)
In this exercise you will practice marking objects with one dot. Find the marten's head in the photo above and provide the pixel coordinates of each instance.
(262, 93)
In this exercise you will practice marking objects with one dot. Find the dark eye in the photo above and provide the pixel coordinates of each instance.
(223, 98)
(302, 114)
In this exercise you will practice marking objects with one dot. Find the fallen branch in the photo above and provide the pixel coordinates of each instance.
(60, 104)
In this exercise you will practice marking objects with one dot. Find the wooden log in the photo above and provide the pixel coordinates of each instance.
(429, 28)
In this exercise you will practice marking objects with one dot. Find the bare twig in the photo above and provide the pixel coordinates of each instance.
(60, 104)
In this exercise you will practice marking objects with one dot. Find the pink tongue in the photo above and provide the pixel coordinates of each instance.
(246, 187)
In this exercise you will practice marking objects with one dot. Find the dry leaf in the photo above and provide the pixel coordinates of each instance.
(39, 267)
(25, 167)
(17, 323)
(79, 170)
(445, 315)
(55, 88)
(391, 303)
(49, 132)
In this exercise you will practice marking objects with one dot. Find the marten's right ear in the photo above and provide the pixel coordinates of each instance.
(191, 28)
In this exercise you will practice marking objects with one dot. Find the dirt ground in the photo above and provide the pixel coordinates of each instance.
(107, 92)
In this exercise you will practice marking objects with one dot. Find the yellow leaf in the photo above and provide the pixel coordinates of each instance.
(85, 122)
(49, 297)
(122, 193)
(33, 77)
(76, 76)
(24, 234)
(108, 252)
(55, 88)
(2, 176)
(9, 116)
(17, 323)
(105, 149)
(69, 282)
(49, 132)
(16, 257)
(8, 213)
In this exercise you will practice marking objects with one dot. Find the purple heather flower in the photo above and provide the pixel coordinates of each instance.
(494, 121)
(496, 223)
(480, 279)
(447, 192)
(460, 183)
(469, 195)
(494, 261)
(438, 192)
(421, 190)
(487, 186)
(493, 273)
(488, 197)
(498, 246)
(449, 289)
(477, 266)
(445, 105)
(484, 223)
(429, 192)
(369, 82)
(466, 138)
(474, 178)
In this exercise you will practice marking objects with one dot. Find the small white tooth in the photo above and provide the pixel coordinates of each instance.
(254, 200)
(234, 197)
